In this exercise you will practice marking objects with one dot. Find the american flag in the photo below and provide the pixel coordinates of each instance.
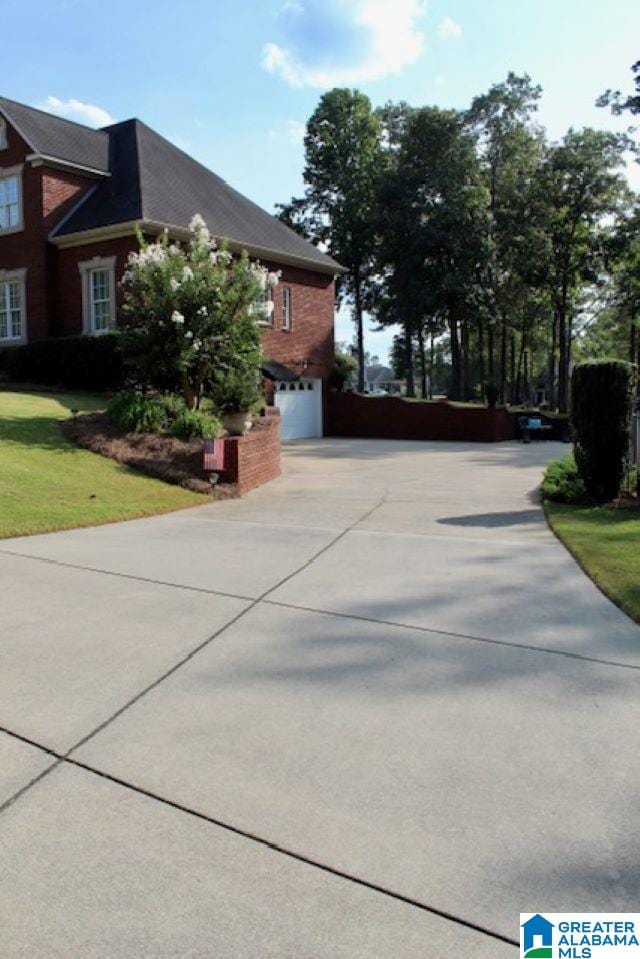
(213, 456)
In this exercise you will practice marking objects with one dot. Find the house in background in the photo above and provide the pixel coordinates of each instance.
(382, 380)
(71, 199)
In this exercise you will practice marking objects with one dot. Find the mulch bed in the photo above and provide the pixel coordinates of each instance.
(164, 457)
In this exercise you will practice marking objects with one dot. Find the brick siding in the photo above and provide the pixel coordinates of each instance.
(53, 283)
(254, 459)
(47, 195)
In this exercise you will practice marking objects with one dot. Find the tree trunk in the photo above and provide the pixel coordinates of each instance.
(481, 350)
(512, 366)
(423, 362)
(454, 391)
(432, 360)
(491, 351)
(562, 362)
(408, 353)
(633, 342)
(464, 360)
(551, 375)
(517, 389)
(359, 331)
(564, 345)
(188, 393)
(502, 389)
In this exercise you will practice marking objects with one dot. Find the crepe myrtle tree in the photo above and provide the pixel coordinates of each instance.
(192, 313)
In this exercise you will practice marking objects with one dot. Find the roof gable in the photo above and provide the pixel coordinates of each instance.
(151, 182)
(56, 138)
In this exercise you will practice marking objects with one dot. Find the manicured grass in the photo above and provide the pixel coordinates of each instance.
(606, 543)
(47, 483)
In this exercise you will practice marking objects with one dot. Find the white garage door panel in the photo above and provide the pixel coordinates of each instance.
(300, 406)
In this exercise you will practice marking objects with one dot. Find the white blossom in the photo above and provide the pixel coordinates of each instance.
(274, 278)
(174, 284)
(154, 253)
(177, 318)
(199, 231)
(188, 335)
(202, 311)
(187, 274)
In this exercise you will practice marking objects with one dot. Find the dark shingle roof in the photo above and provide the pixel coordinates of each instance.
(52, 136)
(152, 180)
(118, 198)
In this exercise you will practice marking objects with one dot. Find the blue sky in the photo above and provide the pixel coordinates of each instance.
(233, 83)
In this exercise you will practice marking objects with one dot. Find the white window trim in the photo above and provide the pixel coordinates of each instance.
(287, 310)
(86, 268)
(6, 276)
(17, 172)
(262, 320)
(4, 143)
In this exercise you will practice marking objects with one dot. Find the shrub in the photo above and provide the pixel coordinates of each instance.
(192, 311)
(74, 362)
(133, 412)
(234, 391)
(601, 410)
(192, 423)
(491, 393)
(343, 371)
(562, 482)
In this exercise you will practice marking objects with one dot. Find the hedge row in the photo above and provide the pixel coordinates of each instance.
(71, 362)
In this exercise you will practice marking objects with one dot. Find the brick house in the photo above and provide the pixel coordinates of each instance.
(71, 199)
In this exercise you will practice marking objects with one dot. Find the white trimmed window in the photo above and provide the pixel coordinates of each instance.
(286, 308)
(262, 308)
(10, 200)
(3, 135)
(98, 278)
(13, 318)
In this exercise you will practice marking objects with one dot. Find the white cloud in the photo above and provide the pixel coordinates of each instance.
(383, 34)
(72, 109)
(449, 29)
(296, 131)
(293, 131)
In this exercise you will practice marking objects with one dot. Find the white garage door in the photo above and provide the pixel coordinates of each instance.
(300, 406)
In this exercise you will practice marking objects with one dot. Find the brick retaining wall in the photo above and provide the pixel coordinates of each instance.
(254, 459)
(391, 417)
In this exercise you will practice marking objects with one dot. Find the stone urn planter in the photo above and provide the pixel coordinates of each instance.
(236, 424)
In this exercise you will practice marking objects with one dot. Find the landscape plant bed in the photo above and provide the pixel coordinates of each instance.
(164, 457)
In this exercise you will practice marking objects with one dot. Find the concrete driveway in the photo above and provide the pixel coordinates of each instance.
(372, 710)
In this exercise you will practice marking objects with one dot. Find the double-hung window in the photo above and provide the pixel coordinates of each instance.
(100, 300)
(12, 307)
(262, 307)
(10, 201)
(286, 308)
(98, 294)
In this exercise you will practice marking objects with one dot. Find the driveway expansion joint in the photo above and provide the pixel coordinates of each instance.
(65, 759)
(435, 630)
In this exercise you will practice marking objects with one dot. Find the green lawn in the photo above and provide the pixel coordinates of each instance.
(606, 543)
(47, 483)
